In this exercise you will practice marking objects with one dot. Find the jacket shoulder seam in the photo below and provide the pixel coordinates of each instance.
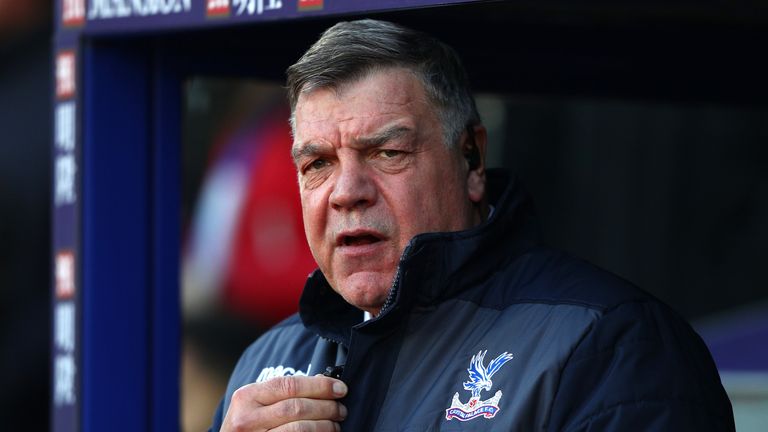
(603, 309)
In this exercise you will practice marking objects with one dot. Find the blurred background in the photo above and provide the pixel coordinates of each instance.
(25, 142)
(670, 193)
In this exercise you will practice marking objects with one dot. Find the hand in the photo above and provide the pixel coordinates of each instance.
(287, 404)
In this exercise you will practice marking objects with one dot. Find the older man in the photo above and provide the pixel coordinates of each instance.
(433, 307)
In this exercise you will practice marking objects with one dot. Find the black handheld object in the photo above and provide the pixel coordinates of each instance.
(334, 371)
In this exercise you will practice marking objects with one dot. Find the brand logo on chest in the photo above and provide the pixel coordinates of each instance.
(278, 371)
(479, 380)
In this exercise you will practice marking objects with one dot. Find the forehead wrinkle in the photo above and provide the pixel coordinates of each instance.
(341, 114)
(353, 126)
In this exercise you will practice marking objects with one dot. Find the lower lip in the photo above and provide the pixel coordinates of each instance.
(369, 249)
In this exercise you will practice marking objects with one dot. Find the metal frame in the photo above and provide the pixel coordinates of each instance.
(119, 66)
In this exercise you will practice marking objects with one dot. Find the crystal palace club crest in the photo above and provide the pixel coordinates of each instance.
(479, 380)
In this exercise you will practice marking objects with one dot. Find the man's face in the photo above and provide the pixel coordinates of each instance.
(374, 172)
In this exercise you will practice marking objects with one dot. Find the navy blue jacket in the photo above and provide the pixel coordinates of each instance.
(485, 330)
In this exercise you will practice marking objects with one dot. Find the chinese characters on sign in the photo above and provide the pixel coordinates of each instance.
(257, 6)
(64, 368)
(65, 165)
(65, 74)
(64, 380)
(73, 13)
(220, 8)
(64, 203)
(65, 274)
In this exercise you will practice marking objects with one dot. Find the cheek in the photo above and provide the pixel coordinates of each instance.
(439, 202)
(314, 233)
(313, 215)
(413, 207)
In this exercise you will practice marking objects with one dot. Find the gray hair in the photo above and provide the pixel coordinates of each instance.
(349, 51)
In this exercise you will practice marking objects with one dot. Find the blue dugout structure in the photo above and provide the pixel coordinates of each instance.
(120, 67)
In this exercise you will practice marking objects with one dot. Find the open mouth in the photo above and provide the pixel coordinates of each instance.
(359, 240)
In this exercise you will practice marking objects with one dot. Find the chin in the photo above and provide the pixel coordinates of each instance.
(366, 291)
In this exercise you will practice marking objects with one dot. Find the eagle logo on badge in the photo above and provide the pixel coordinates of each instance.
(479, 380)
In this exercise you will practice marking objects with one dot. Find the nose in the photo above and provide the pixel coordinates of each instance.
(353, 188)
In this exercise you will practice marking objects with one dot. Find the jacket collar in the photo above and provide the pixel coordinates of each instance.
(434, 266)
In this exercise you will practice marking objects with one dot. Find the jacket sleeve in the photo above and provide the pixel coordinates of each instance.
(218, 417)
(640, 368)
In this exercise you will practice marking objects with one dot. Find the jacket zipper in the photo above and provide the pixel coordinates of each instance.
(396, 282)
(392, 291)
(338, 371)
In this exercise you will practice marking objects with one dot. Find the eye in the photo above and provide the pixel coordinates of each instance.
(389, 154)
(316, 165)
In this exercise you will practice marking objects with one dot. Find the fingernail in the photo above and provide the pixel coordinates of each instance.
(339, 388)
(342, 411)
(336, 427)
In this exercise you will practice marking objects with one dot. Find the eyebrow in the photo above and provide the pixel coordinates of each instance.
(305, 150)
(377, 139)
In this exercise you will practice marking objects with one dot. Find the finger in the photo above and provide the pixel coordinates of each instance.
(252, 406)
(282, 388)
(294, 410)
(283, 412)
(309, 426)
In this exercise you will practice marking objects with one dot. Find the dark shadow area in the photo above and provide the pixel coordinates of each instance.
(25, 136)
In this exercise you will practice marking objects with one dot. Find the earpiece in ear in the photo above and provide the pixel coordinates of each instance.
(472, 154)
(473, 157)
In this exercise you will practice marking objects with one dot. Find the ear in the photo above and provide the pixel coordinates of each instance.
(473, 147)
